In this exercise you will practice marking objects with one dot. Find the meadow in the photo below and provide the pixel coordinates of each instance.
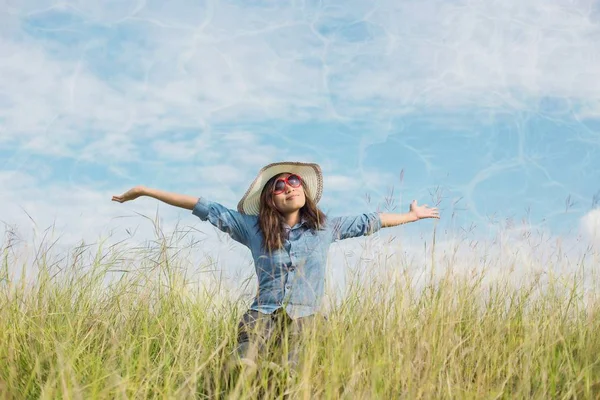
(119, 323)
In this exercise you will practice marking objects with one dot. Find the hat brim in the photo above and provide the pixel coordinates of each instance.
(309, 172)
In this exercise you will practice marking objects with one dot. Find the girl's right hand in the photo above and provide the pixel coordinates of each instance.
(131, 194)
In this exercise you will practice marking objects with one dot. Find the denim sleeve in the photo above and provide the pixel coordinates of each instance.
(237, 225)
(355, 226)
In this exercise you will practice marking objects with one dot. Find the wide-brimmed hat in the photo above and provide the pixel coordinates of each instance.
(309, 172)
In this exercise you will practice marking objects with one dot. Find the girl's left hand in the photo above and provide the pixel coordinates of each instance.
(423, 211)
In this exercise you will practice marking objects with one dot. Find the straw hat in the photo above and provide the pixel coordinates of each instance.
(309, 172)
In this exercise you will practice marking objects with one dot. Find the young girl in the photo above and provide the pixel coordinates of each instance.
(288, 236)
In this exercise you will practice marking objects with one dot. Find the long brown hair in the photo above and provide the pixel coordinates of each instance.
(271, 221)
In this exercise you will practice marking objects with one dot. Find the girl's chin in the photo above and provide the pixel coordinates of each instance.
(293, 207)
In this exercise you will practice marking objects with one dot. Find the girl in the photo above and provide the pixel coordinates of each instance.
(288, 236)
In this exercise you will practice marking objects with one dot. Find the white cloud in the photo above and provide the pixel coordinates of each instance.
(455, 54)
(285, 62)
(590, 224)
(341, 183)
(180, 150)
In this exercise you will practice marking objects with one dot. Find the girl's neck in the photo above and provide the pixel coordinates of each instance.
(292, 218)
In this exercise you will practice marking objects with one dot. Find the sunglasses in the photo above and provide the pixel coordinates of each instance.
(292, 180)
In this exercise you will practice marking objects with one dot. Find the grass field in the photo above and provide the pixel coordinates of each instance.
(77, 332)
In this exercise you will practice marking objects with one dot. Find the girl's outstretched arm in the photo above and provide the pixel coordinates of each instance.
(174, 199)
(416, 213)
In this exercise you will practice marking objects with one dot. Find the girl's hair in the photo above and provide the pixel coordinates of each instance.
(271, 221)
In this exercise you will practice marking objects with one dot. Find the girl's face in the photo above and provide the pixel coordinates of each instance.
(291, 199)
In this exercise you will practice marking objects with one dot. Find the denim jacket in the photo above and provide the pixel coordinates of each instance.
(292, 277)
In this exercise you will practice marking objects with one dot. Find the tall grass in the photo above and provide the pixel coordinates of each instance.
(133, 324)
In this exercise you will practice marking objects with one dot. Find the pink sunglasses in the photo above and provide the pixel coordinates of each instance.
(293, 180)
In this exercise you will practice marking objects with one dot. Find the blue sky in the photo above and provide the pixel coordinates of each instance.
(490, 107)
